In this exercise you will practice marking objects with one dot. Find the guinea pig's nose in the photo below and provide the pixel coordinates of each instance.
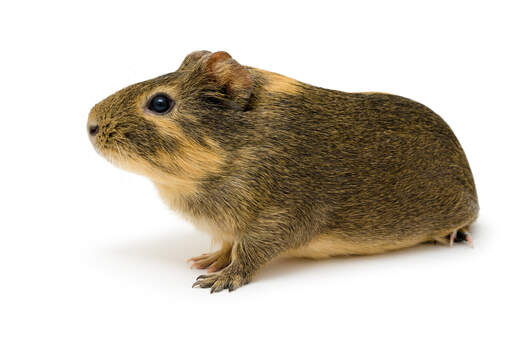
(93, 129)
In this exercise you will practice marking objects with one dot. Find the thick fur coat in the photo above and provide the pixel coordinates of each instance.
(270, 166)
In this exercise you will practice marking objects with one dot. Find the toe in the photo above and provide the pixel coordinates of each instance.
(205, 281)
(219, 285)
(217, 265)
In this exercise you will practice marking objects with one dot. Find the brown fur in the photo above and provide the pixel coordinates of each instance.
(270, 166)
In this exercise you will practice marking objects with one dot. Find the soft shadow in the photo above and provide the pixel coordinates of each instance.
(283, 266)
(476, 230)
(173, 249)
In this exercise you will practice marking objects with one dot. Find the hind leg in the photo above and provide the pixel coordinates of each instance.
(458, 235)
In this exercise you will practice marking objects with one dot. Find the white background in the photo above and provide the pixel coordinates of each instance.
(89, 254)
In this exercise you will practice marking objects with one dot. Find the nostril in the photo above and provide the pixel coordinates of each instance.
(93, 129)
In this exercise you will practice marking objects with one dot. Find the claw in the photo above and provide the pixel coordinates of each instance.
(204, 282)
(225, 279)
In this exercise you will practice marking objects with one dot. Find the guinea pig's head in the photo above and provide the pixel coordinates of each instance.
(176, 129)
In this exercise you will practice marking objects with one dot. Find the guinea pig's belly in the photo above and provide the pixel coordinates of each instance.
(331, 245)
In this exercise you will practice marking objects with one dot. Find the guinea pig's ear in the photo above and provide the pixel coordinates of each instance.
(192, 59)
(233, 78)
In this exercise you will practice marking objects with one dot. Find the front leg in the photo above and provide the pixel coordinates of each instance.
(246, 259)
(257, 244)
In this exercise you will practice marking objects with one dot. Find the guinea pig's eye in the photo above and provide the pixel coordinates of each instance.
(160, 104)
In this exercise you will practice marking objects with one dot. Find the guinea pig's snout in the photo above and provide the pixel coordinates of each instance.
(93, 129)
(92, 125)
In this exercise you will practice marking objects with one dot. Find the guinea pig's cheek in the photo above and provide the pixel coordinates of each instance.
(145, 140)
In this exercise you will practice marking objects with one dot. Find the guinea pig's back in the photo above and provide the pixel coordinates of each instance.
(382, 167)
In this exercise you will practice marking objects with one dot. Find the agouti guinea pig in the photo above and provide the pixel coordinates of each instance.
(271, 166)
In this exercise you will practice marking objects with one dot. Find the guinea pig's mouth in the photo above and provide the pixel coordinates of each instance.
(105, 145)
(112, 153)
(105, 140)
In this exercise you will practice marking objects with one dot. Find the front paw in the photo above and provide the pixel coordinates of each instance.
(213, 261)
(226, 279)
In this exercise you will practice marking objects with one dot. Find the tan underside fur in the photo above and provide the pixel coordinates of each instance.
(325, 246)
(331, 245)
(174, 201)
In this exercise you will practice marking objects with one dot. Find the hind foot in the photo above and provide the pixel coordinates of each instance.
(458, 235)
(461, 235)
(214, 261)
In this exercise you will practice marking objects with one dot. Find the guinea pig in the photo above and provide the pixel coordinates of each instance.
(270, 166)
